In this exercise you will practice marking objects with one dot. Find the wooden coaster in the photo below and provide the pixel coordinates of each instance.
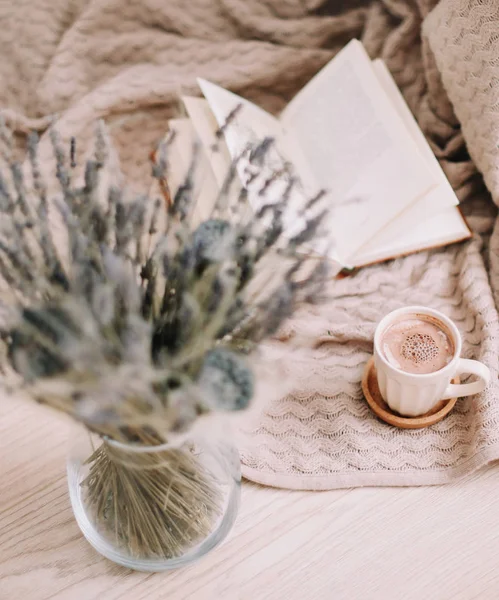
(385, 413)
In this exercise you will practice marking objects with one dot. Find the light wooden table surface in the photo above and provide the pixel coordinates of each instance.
(387, 544)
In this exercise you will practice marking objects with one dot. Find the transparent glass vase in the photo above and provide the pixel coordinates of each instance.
(154, 508)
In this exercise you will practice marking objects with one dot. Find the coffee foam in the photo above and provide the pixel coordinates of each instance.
(417, 344)
(419, 348)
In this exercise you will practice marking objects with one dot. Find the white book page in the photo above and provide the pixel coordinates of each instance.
(401, 233)
(206, 126)
(358, 147)
(180, 153)
(400, 105)
(434, 230)
(216, 151)
(435, 200)
(206, 114)
(176, 157)
(252, 123)
(249, 127)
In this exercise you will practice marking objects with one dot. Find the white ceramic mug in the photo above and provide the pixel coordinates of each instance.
(412, 394)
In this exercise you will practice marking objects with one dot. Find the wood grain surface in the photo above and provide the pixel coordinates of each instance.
(375, 543)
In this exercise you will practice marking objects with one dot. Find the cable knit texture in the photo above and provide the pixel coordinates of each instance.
(127, 60)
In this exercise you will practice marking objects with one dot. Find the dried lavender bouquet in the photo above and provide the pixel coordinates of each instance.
(150, 323)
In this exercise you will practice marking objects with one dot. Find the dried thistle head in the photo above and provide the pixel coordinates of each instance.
(151, 323)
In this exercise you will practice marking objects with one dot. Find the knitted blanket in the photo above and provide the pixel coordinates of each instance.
(127, 60)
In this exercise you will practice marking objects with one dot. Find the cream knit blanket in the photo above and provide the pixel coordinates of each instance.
(126, 61)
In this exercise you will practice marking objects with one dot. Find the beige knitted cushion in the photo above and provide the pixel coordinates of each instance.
(464, 38)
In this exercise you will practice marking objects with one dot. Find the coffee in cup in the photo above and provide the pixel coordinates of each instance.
(417, 353)
(417, 343)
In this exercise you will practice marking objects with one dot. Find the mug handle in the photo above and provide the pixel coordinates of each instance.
(474, 367)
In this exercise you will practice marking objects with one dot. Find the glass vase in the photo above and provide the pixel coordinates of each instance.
(154, 508)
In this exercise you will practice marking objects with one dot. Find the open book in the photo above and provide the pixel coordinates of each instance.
(350, 132)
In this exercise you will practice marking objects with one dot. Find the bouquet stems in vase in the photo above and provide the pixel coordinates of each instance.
(154, 507)
(158, 504)
(147, 331)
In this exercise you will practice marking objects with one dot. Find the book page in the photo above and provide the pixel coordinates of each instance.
(206, 127)
(435, 230)
(358, 147)
(247, 129)
(399, 104)
(180, 154)
(251, 125)
(439, 198)
(400, 234)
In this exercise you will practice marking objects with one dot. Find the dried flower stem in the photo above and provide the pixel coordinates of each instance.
(155, 504)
